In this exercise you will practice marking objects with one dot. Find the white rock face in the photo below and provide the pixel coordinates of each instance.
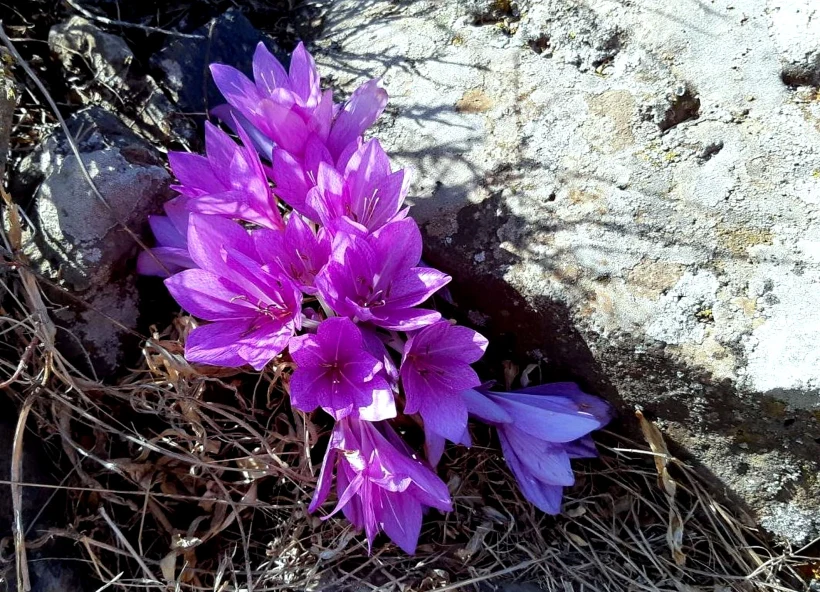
(631, 190)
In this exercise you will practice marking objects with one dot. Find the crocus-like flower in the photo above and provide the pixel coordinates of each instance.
(299, 251)
(375, 279)
(228, 182)
(254, 310)
(435, 369)
(367, 193)
(289, 107)
(286, 107)
(380, 483)
(171, 233)
(336, 373)
(541, 428)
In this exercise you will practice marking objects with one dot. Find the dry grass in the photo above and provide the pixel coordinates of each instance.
(186, 478)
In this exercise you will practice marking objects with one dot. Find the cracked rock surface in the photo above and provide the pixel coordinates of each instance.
(82, 242)
(632, 191)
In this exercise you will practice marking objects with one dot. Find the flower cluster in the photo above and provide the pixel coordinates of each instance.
(294, 241)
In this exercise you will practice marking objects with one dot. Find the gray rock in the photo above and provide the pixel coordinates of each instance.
(228, 39)
(634, 197)
(106, 65)
(79, 44)
(80, 241)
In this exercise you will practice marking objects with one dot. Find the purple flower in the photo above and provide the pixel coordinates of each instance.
(286, 107)
(336, 373)
(254, 310)
(228, 182)
(171, 253)
(380, 483)
(435, 369)
(541, 428)
(367, 193)
(298, 251)
(376, 279)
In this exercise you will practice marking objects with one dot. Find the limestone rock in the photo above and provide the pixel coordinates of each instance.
(796, 30)
(83, 243)
(633, 196)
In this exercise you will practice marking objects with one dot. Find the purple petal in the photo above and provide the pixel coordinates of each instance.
(410, 319)
(446, 415)
(581, 448)
(284, 126)
(325, 480)
(547, 462)
(291, 181)
(195, 173)
(415, 286)
(166, 233)
(586, 403)
(383, 405)
(398, 245)
(359, 113)
(399, 515)
(367, 167)
(209, 236)
(484, 408)
(163, 261)
(425, 388)
(268, 73)
(305, 387)
(443, 341)
(434, 446)
(236, 88)
(205, 295)
(545, 424)
(545, 497)
(304, 78)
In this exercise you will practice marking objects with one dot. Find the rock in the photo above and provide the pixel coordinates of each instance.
(78, 40)
(108, 67)
(796, 29)
(79, 241)
(633, 196)
(228, 39)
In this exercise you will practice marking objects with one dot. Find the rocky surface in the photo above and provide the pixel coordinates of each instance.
(102, 70)
(81, 242)
(227, 39)
(632, 192)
